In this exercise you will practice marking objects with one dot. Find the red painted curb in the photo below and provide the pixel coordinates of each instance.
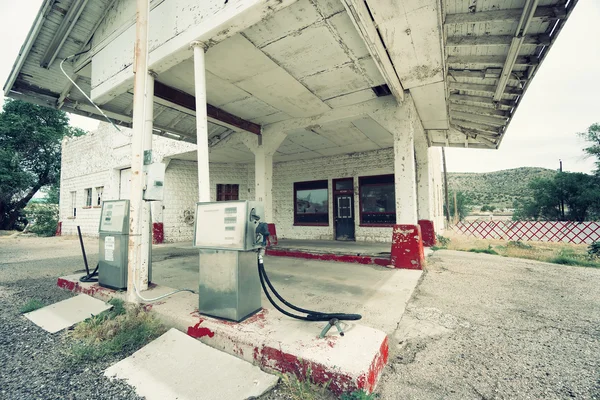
(328, 257)
(407, 247)
(427, 232)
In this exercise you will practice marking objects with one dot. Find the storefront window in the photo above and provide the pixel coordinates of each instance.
(311, 203)
(377, 200)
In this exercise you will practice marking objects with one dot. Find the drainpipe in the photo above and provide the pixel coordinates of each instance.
(515, 47)
(136, 274)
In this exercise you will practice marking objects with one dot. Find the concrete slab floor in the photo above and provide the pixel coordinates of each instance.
(380, 294)
(337, 247)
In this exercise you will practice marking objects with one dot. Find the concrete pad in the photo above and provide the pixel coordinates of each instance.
(61, 315)
(273, 341)
(175, 366)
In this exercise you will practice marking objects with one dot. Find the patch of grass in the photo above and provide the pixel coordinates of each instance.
(489, 250)
(305, 389)
(359, 395)
(568, 257)
(31, 305)
(119, 330)
(519, 245)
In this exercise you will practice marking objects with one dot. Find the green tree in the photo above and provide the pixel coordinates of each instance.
(565, 197)
(463, 205)
(30, 146)
(592, 135)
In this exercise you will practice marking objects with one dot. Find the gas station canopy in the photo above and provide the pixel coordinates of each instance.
(466, 64)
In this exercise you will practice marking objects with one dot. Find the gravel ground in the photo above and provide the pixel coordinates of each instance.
(478, 327)
(488, 327)
(34, 362)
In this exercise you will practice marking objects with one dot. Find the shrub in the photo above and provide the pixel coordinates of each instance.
(442, 241)
(594, 250)
(42, 218)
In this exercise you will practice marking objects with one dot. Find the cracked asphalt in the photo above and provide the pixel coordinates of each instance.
(489, 327)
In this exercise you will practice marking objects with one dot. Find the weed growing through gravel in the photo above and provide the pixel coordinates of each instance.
(119, 330)
(31, 305)
(359, 395)
(305, 389)
(489, 250)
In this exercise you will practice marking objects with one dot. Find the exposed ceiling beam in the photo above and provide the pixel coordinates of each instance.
(515, 46)
(488, 73)
(485, 101)
(497, 61)
(479, 128)
(62, 33)
(503, 15)
(482, 119)
(490, 112)
(483, 88)
(188, 101)
(472, 145)
(363, 22)
(496, 40)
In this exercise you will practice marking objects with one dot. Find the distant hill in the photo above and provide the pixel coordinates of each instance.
(499, 188)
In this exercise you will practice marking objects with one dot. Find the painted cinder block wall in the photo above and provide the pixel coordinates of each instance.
(97, 158)
(94, 160)
(377, 162)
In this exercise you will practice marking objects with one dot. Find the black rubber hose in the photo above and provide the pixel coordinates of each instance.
(311, 315)
(88, 277)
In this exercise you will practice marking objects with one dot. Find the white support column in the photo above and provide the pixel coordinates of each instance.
(137, 147)
(424, 176)
(264, 147)
(146, 253)
(201, 122)
(404, 167)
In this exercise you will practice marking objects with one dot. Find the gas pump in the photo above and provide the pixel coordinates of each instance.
(114, 232)
(232, 240)
(225, 234)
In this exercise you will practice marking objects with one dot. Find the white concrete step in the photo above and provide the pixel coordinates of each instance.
(176, 366)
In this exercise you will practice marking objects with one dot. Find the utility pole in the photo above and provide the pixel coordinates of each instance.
(135, 275)
(455, 209)
(562, 201)
(446, 188)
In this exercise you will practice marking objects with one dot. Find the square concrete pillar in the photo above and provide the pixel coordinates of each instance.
(264, 147)
(407, 244)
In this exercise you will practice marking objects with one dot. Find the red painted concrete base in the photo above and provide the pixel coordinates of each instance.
(272, 239)
(158, 233)
(427, 232)
(407, 247)
(273, 341)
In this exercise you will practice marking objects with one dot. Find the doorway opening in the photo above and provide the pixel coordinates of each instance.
(343, 208)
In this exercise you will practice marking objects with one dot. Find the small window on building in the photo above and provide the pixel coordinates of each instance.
(311, 203)
(99, 191)
(73, 204)
(377, 200)
(228, 192)
(88, 197)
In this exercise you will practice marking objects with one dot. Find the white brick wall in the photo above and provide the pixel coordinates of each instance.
(344, 166)
(181, 193)
(95, 160)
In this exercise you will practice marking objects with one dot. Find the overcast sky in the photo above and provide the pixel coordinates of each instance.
(562, 99)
